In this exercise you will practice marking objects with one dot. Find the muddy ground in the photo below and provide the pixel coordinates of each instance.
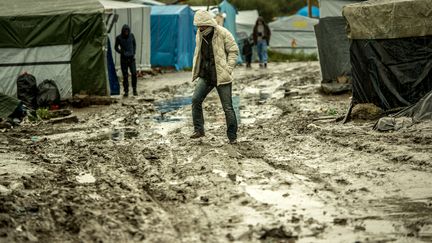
(128, 172)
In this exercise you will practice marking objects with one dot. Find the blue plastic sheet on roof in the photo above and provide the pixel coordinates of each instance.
(172, 36)
(230, 20)
(305, 12)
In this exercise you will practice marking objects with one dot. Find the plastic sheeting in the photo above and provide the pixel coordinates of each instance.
(8, 105)
(333, 8)
(293, 33)
(245, 21)
(333, 48)
(172, 36)
(391, 73)
(305, 12)
(112, 75)
(230, 20)
(137, 16)
(148, 2)
(29, 24)
(421, 111)
(48, 7)
(389, 19)
(45, 62)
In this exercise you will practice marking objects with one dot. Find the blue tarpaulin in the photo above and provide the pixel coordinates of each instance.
(172, 36)
(305, 12)
(230, 20)
(112, 75)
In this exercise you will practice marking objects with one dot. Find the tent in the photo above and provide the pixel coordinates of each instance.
(305, 12)
(333, 45)
(60, 40)
(391, 54)
(148, 2)
(293, 33)
(172, 36)
(230, 20)
(245, 21)
(137, 16)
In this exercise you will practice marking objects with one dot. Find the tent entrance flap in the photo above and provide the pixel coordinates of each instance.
(44, 62)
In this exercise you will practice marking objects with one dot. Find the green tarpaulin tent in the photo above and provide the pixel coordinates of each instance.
(62, 40)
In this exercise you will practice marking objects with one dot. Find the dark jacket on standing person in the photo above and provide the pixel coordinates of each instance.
(125, 43)
(208, 66)
(267, 33)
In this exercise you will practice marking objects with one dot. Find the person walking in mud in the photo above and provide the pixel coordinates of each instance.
(125, 45)
(215, 57)
(261, 36)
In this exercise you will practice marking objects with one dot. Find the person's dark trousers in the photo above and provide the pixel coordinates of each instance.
(128, 63)
(202, 89)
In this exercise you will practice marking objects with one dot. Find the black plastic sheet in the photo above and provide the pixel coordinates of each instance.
(391, 73)
(27, 90)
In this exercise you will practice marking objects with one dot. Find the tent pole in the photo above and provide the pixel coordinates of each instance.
(309, 3)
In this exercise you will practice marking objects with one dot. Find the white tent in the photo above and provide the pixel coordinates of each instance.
(245, 21)
(137, 16)
(293, 33)
(148, 2)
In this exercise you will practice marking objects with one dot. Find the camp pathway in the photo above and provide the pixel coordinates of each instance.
(128, 172)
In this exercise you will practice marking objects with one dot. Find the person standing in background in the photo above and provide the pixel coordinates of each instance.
(125, 45)
(261, 36)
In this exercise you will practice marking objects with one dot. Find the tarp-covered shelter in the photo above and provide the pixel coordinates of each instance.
(293, 33)
(61, 40)
(333, 8)
(172, 36)
(148, 2)
(230, 19)
(245, 21)
(137, 16)
(305, 11)
(333, 42)
(391, 52)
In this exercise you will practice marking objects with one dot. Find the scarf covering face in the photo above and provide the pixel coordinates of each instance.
(207, 31)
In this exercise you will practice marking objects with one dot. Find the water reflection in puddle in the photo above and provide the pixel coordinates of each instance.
(170, 105)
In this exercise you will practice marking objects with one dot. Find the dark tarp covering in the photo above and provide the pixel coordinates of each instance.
(112, 75)
(333, 48)
(422, 110)
(27, 90)
(391, 73)
(8, 105)
(26, 24)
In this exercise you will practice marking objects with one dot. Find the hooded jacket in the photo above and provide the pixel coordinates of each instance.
(225, 49)
(125, 44)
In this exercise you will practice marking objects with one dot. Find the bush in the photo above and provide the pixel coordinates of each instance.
(295, 56)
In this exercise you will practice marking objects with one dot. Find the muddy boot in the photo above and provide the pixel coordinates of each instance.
(265, 65)
(126, 94)
(197, 135)
(233, 141)
(135, 93)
